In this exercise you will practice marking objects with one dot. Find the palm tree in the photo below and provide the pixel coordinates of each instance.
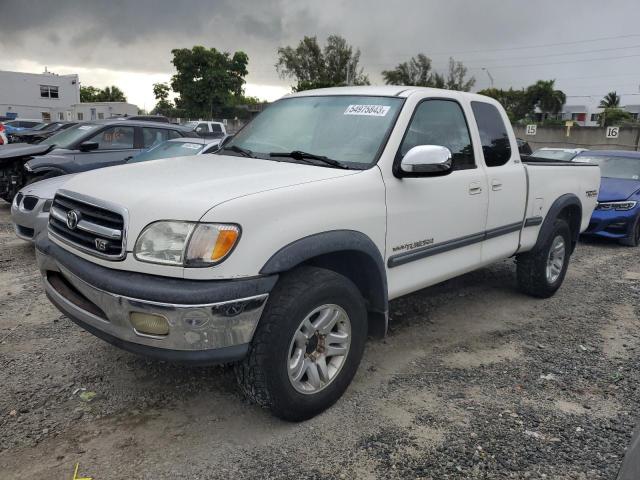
(611, 100)
(543, 95)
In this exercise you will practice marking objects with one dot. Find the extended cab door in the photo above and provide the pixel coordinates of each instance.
(507, 181)
(435, 222)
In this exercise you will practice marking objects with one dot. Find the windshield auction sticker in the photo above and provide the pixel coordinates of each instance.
(369, 110)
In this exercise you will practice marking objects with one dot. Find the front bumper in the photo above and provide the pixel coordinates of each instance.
(615, 224)
(29, 223)
(209, 321)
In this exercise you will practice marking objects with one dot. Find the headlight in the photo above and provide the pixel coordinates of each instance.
(616, 205)
(186, 243)
(47, 205)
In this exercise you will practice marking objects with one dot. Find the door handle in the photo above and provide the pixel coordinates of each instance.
(475, 188)
(496, 185)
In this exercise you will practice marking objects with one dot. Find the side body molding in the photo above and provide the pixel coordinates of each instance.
(566, 200)
(348, 252)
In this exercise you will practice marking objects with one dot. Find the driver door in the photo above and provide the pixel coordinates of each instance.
(115, 145)
(435, 223)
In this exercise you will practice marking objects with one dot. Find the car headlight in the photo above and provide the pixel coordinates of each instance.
(188, 244)
(616, 205)
(47, 205)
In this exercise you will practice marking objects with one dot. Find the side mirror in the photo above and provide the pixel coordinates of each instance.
(88, 146)
(427, 159)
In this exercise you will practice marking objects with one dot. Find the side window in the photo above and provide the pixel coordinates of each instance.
(114, 138)
(215, 128)
(441, 122)
(202, 128)
(493, 134)
(153, 136)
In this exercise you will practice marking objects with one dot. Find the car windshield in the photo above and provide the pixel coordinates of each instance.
(614, 167)
(167, 150)
(561, 155)
(40, 126)
(67, 137)
(349, 129)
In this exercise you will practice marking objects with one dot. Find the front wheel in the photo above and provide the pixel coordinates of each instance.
(307, 346)
(633, 240)
(540, 273)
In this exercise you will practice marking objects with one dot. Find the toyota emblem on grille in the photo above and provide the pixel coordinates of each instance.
(73, 217)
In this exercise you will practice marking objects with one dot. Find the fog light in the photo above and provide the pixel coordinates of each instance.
(149, 324)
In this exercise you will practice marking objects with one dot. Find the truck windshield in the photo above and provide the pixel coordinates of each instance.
(169, 149)
(66, 138)
(349, 129)
(614, 166)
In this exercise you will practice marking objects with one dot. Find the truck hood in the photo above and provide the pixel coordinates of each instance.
(613, 189)
(185, 188)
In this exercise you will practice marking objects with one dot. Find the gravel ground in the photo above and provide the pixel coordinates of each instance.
(474, 381)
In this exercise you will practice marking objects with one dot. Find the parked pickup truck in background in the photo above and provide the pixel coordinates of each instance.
(207, 129)
(282, 251)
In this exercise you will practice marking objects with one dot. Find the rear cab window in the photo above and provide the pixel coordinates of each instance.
(496, 147)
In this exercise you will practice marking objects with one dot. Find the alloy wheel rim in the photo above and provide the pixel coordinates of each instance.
(555, 260)
(319, 348)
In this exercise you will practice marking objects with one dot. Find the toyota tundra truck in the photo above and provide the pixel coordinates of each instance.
(280, 252)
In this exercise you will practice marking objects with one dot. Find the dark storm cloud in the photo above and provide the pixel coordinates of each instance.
(139, 35)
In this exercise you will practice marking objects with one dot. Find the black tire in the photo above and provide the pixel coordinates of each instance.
(532, 266)
(43, 176)
(263, 374)
(633, 240)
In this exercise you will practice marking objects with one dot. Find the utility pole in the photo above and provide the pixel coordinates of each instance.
(489, 75)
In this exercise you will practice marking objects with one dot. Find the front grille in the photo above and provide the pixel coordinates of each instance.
(91, 228)
(29, 202)
(18, 199)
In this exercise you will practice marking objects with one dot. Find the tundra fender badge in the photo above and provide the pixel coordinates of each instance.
(591, 193)
(101, 244)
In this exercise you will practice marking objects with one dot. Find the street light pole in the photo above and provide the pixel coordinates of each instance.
(489, 75)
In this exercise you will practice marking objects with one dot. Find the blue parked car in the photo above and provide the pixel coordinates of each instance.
(15, 126)
(617, 214)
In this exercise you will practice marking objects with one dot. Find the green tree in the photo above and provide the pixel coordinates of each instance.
(516, 102)
(107, 94)
(207, 81)
(111, 94)
(164, 106)
(313, 67)
(543, 95)
(614, 116)
(457, 77)
(610, 100)
(416, 72)
(89, 94)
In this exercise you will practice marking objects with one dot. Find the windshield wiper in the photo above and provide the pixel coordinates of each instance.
(237, 149)
(299, 155)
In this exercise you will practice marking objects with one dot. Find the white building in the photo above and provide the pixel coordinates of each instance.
(48, 96)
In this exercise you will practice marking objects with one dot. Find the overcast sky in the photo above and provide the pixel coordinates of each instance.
(589, 46)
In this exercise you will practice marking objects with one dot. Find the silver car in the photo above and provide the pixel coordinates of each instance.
(30, 207)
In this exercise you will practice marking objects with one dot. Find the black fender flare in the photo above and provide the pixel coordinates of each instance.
(334, 242)
(566, 200)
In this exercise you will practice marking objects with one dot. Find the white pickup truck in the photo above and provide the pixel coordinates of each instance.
(281, 251)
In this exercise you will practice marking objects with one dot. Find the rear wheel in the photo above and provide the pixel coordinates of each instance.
(633, 240)
(308, 344)
(541, 272)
